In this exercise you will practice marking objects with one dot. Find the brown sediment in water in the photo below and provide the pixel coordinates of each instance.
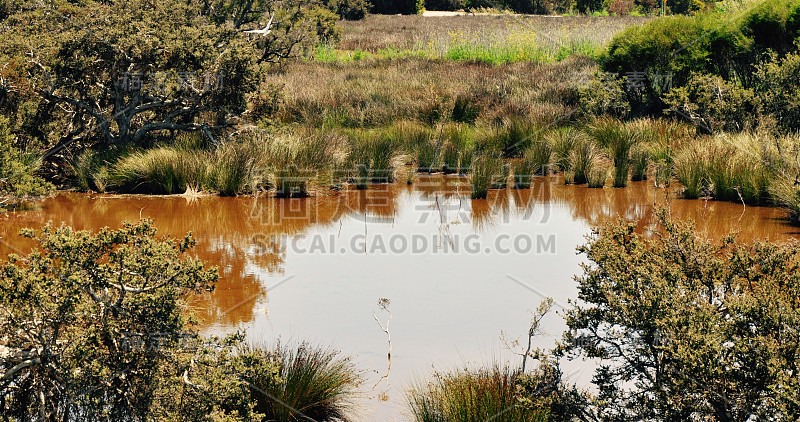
(239, 234)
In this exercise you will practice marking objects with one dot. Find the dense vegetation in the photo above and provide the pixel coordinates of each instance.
(96, 327)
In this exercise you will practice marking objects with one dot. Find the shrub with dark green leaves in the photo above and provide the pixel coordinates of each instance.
(713, 104)
(17, 171)
(689, 328)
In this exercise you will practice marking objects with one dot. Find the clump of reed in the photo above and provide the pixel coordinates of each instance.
(485, 172)
(313, 383)
(372, 157)
(296, 161)
(598, 174)
(690, 167)
(562, 142)
(640, 162)
(469, 395)
(232, 169)
(163, 170)
(514, 136)
(785, 193)
(534, 161)
(618, 140)
(580, 162)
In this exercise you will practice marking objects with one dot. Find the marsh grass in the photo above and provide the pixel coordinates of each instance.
(91, 168)
(486, 173)
(785, 193)
(372, 156)
(469, 395)
(317, 382)
(690, 166)
(618, 139)
(581, 160)
(163, 170)
(640, 162)
(233, 169)
(534, 161)
(562, 142)
(492, 39)
(598, 174)
(514, 136)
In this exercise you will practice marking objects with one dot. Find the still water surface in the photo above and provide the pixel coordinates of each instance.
(458, 272)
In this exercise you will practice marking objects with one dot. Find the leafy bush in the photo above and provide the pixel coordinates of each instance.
(17, 171)
(93, 294)
(713, 104)
(781, 90)
(722, 345)
(351, 10)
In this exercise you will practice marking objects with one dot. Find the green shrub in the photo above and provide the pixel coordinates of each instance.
(17, 171)
(351, 10)
(713, 104)
(781, 90)
(604, 97)
(730, 307)
(394, 7)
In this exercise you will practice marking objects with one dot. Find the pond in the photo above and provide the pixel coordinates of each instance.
(458, 272)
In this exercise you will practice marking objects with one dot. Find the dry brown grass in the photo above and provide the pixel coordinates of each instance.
(380, 93)
(413, 32)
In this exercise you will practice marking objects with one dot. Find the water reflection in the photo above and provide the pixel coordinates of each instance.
(244, 235)
(444, 305)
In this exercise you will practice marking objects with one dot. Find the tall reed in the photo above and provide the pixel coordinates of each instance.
(486, 171)
(581, 160)
(472, 395)
(313, 383)
(691, 166)
(562, 141)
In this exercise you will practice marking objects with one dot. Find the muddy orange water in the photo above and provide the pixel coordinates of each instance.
(458, 272)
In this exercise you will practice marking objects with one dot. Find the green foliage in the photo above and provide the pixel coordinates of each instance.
(604, 97)
(713, 104)
(780, 88)
(74, 301)
(17, 171)
(351, 10)
(688, 328)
